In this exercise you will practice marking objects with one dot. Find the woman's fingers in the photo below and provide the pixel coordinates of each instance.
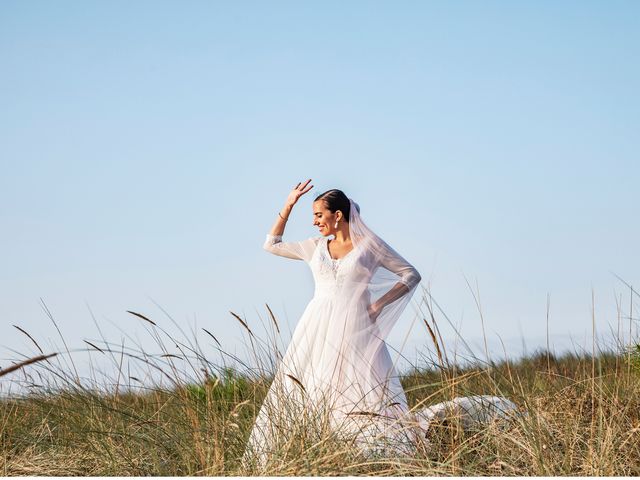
(299, 190)
(301, 187)
(304, 190)
(305, 184)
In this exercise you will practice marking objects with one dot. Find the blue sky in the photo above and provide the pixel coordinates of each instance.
(146, 148)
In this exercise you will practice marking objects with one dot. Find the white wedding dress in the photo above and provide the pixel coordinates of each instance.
(325, 357)
(328, 366)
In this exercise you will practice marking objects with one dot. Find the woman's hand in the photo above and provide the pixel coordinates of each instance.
(374, 311)
(283, 214)
(297, 192)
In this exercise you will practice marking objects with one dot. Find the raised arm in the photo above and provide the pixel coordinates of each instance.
(274, 244)
(292, 199)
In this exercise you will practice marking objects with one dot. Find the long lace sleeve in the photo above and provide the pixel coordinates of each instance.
(394, 262)
(302, 250)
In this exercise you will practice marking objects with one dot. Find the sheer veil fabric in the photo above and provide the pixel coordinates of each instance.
(337, 362)
(386, 269)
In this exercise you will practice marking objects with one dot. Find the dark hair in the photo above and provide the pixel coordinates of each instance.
(335, 200)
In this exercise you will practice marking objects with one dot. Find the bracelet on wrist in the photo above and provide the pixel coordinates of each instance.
(285, 219)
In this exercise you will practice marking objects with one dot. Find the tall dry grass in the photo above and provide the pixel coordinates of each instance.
(583, 414)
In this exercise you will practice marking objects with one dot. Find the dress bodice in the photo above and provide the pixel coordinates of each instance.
(331, 275)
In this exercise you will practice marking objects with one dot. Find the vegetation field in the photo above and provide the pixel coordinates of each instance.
(583, 418)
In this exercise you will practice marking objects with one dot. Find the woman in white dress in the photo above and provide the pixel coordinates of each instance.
(337, 364)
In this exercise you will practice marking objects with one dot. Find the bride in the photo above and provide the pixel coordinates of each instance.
(337, 369)
(337, 361)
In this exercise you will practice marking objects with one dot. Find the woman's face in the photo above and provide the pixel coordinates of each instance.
(323, 218)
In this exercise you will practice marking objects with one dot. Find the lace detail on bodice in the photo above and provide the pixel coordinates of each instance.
(330, 273)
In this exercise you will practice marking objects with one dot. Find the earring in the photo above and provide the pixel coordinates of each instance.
(336, 225)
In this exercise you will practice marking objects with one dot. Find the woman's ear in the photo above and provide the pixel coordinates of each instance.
(338, 215)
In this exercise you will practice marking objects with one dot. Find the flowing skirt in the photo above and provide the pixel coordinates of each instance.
(326, 380)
